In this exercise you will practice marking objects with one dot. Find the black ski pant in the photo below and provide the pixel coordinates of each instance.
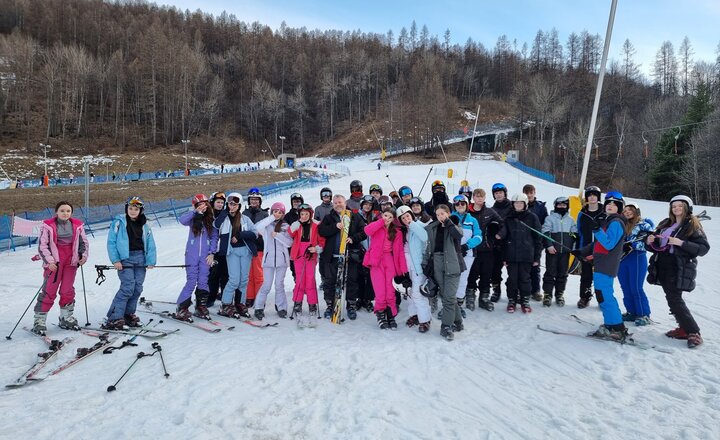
(354, 280)
(518, 282)
(481, 272)
(679, 309)
(497, 269)
(535, 278)
(556, 267)
(586, 279)
(331, 271)
(217, 278)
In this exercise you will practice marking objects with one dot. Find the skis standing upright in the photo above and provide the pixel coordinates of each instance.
(337, 316)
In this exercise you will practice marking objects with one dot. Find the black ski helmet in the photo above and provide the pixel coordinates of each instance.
(326, 192)
(592, 190)
(356, 184)
(375, 187)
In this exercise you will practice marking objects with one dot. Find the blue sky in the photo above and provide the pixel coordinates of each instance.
(647, 23)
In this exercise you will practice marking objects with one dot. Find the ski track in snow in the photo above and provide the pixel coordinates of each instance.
(500, 378)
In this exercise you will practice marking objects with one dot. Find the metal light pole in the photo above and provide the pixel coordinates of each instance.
(46, 180)
(107, 169)
(282, 144)
(186, 142)
(86, 167)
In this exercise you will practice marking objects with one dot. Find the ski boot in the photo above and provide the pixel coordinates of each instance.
(485, 302)
(250, 302)
(470, 299)
(228, 311)
(641, 321)
(312, 310)
(525, 305)
(115, 324)
(629, 317)
(382, 320)
(132, 320)
(259, 314)
(369, 307)
(446, 332)
(328, 311)
(352, 310)
(511, 306)
(458, 326)
(183, 314)
(583, 302)
(547, 299)
(390, 319)
(412, 321)
(40, 323)
(460, 303)
(560, 299)
(496, 293)
(614, 333)
(67, 320)
(677, 333)
(424, 327)
(201, 300)
(296, 310)
(433, 304)
(282, 314)
(241, 307)
(538, 296)
(694, 339)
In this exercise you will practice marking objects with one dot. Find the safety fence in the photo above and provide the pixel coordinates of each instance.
(532, 171)
(99, 217)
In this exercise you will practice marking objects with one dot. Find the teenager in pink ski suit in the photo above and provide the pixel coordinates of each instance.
(307, 245)
(63, 247)
(386, 259)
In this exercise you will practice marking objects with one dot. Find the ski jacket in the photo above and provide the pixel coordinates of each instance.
(417, 238)
(296, 234)
(118, 243)
(378, 234)
(636, 238)
(522, 245)
(486, 217)
(245, 236)
(47, 243)
(255, 215)
(685, 256)
(292, 216)
(353, 203)
(329, 231)
(503, 208)
(276, 250)
(472, 235)
(439, 198)
(198, 247)
(322, 210)
(561, 229)
(585, 221)
(539, 209)
(607, 247)
(452, 255)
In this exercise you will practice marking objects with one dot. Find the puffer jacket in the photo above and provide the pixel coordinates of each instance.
(694, 245)
(378, 234)
(118, 243)
(276, 248)
(521, 244)
(47, 243)
(454, 261)
(490, 224)
(322, 210)
(472, 235)
(202, 245)
(416, 241)
(246, 236)
(562, 229)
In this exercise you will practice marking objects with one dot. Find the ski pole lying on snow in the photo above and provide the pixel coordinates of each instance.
(100, 268)
(87, 318)
(158, 349)
(140, 355)
(9, 337)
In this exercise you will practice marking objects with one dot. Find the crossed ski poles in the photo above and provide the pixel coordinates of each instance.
(157, 349)
(546, 236)
(100, 268)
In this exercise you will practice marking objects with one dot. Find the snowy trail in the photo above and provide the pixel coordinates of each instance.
(500, 378)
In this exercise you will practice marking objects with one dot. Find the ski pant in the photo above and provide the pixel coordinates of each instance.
(418, 304)
(196, 275)
(631, 274)
(679, 309)
(518, 282)
(292, 269)
(496, 278)
(366, 293)
(556, 272)
(323, 276)
(586, 279)
(62, 280)
(331, 270)
(278, 275)
(131, 286)
(218, 278)
(305, 277)
(382, 280)
(463, 282)
(606, 299)
(481, 272)
(255, 278)
(354, 278)
(447, 284)
(239, 260)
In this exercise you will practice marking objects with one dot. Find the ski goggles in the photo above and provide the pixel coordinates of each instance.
(217, 195)
(135, 201)
(304, 207)
(326, 194)
(233, 201)
(405, 192)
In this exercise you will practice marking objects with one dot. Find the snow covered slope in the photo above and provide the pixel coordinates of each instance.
(500, 378)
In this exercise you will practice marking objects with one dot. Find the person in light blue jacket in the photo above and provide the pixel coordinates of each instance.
(414, 241)
(472, 237)
(634, 266)
(131, 249)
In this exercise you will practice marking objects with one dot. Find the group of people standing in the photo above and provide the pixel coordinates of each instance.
(447, 251)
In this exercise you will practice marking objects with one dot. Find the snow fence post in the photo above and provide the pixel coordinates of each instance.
(155, 214)
(172, 205)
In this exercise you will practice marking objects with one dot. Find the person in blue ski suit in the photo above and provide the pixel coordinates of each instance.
(634, 266)
(199, 250)
(605, 252)
(472, 237)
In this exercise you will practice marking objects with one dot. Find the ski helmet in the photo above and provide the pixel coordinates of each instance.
(615, 197)
(415, 201)
(254, 193)
(217, 195)
(499, 187)
(460, 199)
(429, 288)
(356, 184)
(235, 198)
(296, 196)
(405, 191)
(465, 190)
(376, 187)
(682, 198)
(384, 200)
(520, 198)
(635, 206)
(306, 207)
(404, 210)
(325, 192)
(592, 190)
(393, 194)
(278, 206)
(367, 198)
(135, 201)
(198, 199)
(561, 199)
(437, 185)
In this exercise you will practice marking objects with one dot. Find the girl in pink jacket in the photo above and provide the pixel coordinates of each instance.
(386, 260)
(63, 247)
(307, 245)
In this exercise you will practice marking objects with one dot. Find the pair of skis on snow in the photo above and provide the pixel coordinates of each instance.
(208, 325)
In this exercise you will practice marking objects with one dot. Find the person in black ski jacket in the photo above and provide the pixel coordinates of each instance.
(439, 197)
(493, 229)
(589, 218)
(503, 207)
(321, 211)
(540, 210)
(255, 212)
(676, 244)
(521, 252)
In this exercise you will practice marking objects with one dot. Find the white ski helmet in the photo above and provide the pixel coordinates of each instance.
(235, 196)
(520, 198)
(682, 198)
(404, 209)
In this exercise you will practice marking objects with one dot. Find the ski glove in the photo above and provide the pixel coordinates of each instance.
(464, 248)
(403, 279)
(627, 247)
(295, 226)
